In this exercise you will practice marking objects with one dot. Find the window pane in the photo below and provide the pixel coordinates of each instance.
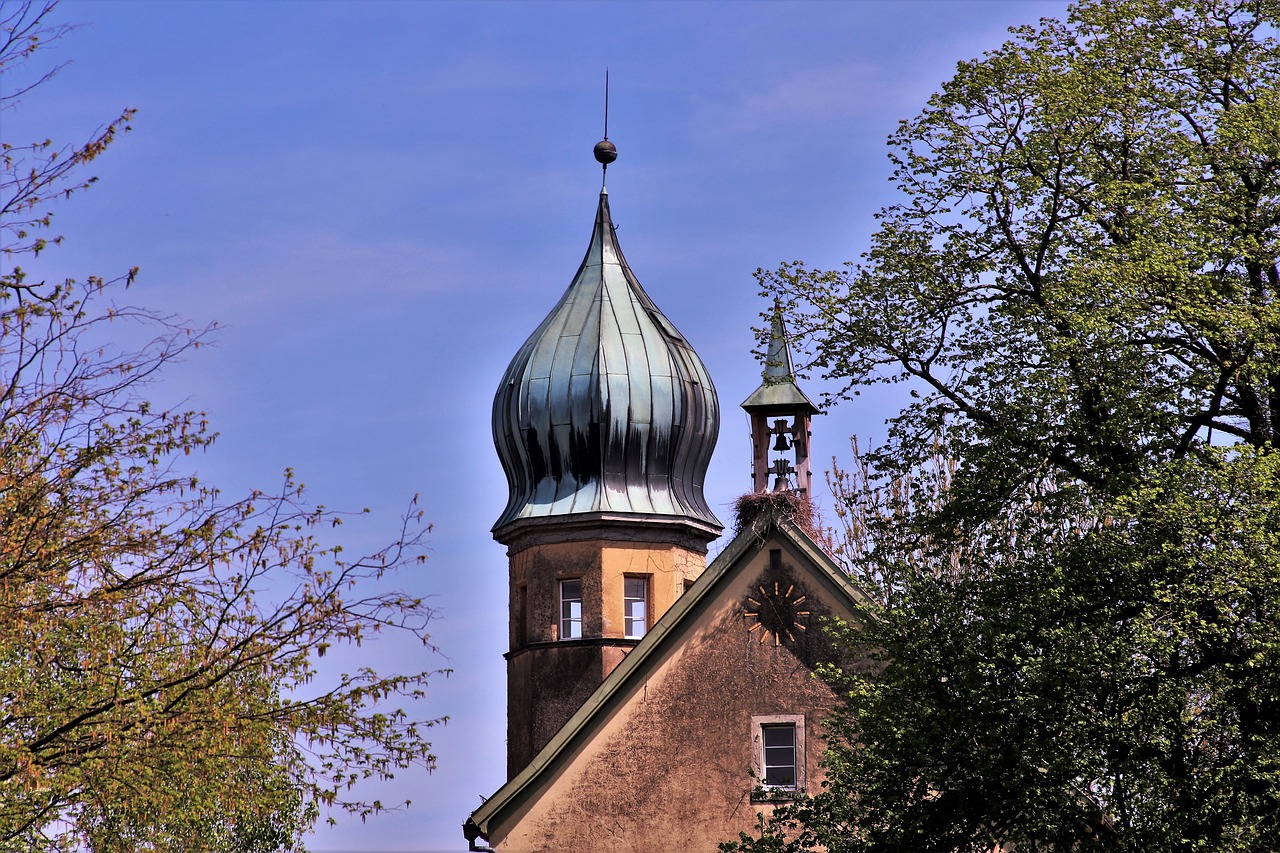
(779, 756)
(779, 735)
(635, 595)
(570, 610)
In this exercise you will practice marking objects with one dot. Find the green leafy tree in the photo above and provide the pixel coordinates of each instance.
(1079, 640)
(158, 642)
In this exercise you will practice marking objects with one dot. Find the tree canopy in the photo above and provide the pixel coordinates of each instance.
(1079, 640)
(158, 642)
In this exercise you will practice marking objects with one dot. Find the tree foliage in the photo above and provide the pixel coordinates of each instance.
(158, 642)
(1079, 643)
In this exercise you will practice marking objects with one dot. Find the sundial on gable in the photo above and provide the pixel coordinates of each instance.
(776, 610)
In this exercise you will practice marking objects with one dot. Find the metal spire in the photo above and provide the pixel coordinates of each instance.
(778, 366)
(605, 151)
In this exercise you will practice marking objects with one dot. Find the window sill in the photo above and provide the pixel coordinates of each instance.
(776, 795)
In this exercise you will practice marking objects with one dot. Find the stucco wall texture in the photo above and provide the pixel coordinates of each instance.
(669, 769)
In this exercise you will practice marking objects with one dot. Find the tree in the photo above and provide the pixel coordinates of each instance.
(1079, 640)
(158, 643)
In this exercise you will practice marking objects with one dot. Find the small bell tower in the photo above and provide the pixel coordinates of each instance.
(780, 420)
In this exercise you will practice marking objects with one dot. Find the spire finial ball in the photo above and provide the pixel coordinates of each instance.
(606, 152)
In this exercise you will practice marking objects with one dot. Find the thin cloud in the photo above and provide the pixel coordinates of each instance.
(817, 95)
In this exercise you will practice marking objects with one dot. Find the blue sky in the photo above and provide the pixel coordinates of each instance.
(380, 201)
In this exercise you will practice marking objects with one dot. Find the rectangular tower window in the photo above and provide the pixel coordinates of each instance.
(635, 603)
(571, 610)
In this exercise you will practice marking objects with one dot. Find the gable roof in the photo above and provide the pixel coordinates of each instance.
(647, 655)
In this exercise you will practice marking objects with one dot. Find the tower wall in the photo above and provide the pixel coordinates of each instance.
(549, 676)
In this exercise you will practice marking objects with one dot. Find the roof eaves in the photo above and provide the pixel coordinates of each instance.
(782, 393)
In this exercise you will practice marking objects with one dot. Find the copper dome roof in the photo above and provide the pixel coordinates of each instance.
(606, 410)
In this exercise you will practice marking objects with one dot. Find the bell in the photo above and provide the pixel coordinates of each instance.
(783, 431)
(780, 484)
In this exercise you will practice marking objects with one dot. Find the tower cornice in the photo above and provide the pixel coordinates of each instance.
(686, 533)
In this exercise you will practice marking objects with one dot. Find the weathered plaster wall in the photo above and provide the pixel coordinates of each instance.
(669, 770)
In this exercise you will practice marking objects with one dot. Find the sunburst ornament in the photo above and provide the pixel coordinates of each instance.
(775, 613)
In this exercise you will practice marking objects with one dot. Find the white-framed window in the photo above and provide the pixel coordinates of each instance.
(778, 751)
(635, 607)
(571, 609)
(778, 740)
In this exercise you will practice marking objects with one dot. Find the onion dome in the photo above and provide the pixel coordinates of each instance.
(606, 412)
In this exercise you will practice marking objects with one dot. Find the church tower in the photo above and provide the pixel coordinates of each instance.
(605, 422)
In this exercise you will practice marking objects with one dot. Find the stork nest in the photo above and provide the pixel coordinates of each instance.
(793, 506)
